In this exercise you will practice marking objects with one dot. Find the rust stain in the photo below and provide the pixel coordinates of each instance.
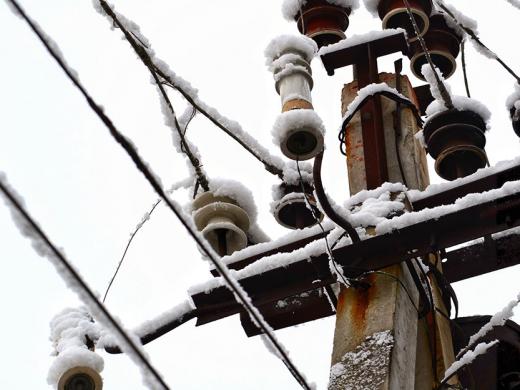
(360, 303)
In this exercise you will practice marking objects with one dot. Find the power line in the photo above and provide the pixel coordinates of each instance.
(240, 294)
(257, 151)
(67, 271)
(477, 40)
(442, 88)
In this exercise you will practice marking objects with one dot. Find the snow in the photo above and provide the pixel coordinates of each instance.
(358, 39)
(433, 189)
(468, 357)
(367, 366)
(69, 330)
(43, 249)
(189, 92)
(498, 319)
(460, 103)
(238, 192)
(369, 90)
(461, 18)
(291, 8)
(295, 119)
(513, 100)
(175, 313)
(291, 175)
(371, 6)
(514, 3)
(287, 43)
(467, 201)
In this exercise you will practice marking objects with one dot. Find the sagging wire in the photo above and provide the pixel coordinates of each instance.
(392, 96)
(146, 218)
(166, 79)
(240, 294)
(445, 95)
(87, 295)
(476, 39)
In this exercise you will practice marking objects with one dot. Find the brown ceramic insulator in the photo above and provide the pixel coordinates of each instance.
(295, 214)
(394, 14)
(325, 23)
(515, 119)
(442, 42)
(297, 104)
(456, 141)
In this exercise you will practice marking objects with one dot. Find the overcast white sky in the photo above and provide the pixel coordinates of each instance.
(86, 194)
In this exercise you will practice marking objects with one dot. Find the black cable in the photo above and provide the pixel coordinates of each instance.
(464, 67)
(329, 251)
(67, 267)
(398, 121)
(392, 96)
(127, 146)
(325, 204)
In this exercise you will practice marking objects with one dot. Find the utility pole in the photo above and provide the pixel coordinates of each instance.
(379, 342)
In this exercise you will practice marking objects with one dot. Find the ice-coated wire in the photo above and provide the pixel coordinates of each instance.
(442, 88)
(477, 40)
(514, 3)
(240, 294)
(205, 110)
(88, 296)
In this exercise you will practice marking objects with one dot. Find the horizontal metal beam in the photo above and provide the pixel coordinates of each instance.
(479, 259)
(490, 182)
(371, 254)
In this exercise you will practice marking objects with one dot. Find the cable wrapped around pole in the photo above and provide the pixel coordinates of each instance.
(325, 204)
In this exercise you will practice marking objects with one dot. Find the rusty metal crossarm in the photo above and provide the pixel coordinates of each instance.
(379, 252)
(369, 255)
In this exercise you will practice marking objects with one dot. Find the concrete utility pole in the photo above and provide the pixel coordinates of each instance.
(379, 342)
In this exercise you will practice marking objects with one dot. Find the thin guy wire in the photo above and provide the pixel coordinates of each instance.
(442, 88)
(144, 57)
(66, 264)
(126, 250)
(142, 167)
(464, 67)
(476, 39)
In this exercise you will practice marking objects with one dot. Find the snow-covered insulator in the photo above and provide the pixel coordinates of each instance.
(323, 21)
(515, 118)
(394, 14)
(222, 222)
(84, 378)
(299, 133)
(443, 43)
(296, 209)
(293, 80)
(456, 140)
